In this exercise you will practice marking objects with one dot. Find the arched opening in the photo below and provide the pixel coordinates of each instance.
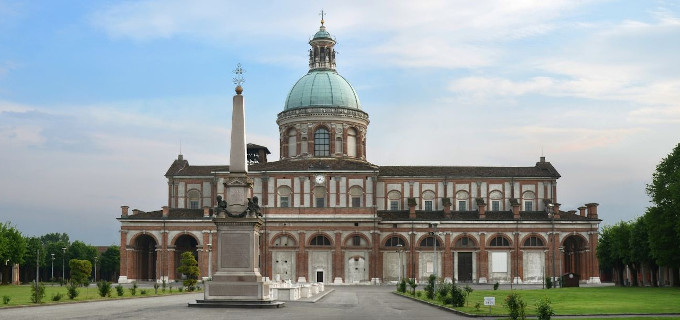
(183, 244)
(394, 198)
(462, 200)
(574, 250)
(292, 142)
(464, 248)
(351, 142)
(145, 248)
(496, 200)
(194, 199)
(322, 143)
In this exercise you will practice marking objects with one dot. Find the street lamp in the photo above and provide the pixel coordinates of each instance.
(63, 273)
(95, 269)
(434, 238)
(52, 254)
(551, 213)
(399, 246)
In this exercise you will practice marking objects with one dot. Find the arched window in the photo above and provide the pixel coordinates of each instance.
(394, 198)
(429, 242)
(394, 241)
(351, 142)
(528, 198)
(322, 143)
(320, 196)
(462, 199)
(496, 199)
(533, 241)
(499, 241)
(356, 194)
(428, 200)
(194, 198)
(292, 142)
(284, 196)
(320, 240)
(465, 242)
(284, 241)
(356, 241)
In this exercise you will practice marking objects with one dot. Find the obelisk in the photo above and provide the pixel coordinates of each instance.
(237, 281)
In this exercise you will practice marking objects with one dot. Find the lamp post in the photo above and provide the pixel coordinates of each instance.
(209, 260)
(434, 245)
(63, 273)
(52, 254)
(551, 212)
(399, 246)
(95, 269)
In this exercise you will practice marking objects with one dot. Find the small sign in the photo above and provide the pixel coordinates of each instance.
(489, 301)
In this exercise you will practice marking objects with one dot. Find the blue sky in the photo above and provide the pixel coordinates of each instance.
(96, 96)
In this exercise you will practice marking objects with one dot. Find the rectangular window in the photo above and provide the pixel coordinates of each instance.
(462, 206)
(320, 202)
(356, 241)
(394, 205)
(528, 206)
(356, 202)
(193, 204)
(495, 205)
(428, 205)
(284, 202)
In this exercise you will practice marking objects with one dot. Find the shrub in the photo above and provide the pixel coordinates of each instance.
(6, 299)
(413, 284)
(429, 288)
(189, 267)
(458, 297)
(104, 288)
(57, 296)
(120, 290)
(164, 285)
(72, 290)
(443, 291)
(419, 294)
(548, 282)
(133, 289)
(516, 306)
(155, 287)
(37, 292)
(468, 290)
(142, 292)
(401, 286)
(495, 285)
(478, 305)
(181, 289)
(543, 309)
(80, 271)
(170, 288)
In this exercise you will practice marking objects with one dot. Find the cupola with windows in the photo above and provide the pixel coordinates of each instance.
(322, 116)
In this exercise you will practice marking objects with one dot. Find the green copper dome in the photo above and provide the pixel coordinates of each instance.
(322, 88)
(322, 34)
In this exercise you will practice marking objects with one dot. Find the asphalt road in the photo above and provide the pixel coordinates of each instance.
(345, 302)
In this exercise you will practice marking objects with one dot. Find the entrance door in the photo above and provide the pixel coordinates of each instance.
(319, 276)
(356, 269)
(464, 266)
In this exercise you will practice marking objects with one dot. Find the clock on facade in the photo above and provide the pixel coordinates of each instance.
(319, 179)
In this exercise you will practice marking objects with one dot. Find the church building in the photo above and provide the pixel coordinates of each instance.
(332, 216)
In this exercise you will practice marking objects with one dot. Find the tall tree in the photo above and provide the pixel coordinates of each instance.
(33, 247)
(664, 217)
(110, 263)
(640, 252)
(12, 249)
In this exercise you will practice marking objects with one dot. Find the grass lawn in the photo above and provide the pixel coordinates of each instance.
(583, 301)
(21, 295)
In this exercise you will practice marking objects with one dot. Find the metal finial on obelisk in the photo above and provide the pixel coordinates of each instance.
(239, 79)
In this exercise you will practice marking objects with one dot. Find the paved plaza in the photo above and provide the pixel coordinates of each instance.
(345, 302)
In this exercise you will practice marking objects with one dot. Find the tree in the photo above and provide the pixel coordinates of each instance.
(640, 252)
(664, 217)
(110, 262)
(613, 249)
(80, 271)
(189, 267)
(12, 248)
(33, 244)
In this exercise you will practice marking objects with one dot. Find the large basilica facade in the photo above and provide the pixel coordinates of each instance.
(331, 216)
